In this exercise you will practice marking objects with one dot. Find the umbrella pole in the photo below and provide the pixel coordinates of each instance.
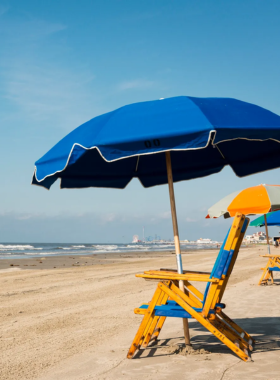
(176, 238)
(267, 237)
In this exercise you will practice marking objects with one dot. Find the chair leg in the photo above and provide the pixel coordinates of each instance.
(242, 333)
(264, 277)
(231, 334)
(155, 323)
(158, 328)
(268, 276)
(177, 295)
(147, 321)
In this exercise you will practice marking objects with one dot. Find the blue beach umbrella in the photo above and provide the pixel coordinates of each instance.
(272, 219)
(199, 135)
(203, 134)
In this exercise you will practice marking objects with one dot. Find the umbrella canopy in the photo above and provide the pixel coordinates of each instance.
(259, 199)
(204, 135)
(272, 218)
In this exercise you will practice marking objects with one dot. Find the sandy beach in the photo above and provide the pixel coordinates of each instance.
(71, 318)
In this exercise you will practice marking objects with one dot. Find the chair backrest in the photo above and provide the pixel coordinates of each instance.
(227, 255)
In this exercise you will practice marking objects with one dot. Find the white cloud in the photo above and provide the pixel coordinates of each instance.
(203, 209)
(27, 28)
(133, 17)
(190, 220)
(108, 218)
(23, 217)
(165, 215)
(135, 84)
(37, 81)
(46, 91)
(3, 9)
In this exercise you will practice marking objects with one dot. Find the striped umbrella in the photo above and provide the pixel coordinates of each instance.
(260, 199)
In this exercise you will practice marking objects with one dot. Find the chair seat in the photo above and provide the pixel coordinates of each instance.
(274, 269)
(221, 305)
(172, 309)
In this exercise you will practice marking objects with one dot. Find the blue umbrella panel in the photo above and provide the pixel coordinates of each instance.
(202, 134)
(272, 219)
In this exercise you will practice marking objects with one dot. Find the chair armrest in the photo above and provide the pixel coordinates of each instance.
(184, 271)
(272, 256)
(177, 277)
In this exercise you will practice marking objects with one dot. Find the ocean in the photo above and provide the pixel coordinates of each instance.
(25, 250)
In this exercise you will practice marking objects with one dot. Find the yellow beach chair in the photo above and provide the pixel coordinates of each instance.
(169, 301)
(273, 265)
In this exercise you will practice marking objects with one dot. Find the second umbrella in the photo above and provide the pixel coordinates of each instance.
(260, 199)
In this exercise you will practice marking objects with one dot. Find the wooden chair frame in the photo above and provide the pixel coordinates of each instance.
(273, 265)
(207, 309)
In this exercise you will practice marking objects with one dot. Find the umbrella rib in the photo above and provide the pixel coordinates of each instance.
(137, 163)
(216, 146)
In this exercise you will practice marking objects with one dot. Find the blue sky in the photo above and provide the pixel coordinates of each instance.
(64, 62)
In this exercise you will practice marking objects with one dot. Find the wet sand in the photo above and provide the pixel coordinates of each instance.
(67, 261)
(76, 321)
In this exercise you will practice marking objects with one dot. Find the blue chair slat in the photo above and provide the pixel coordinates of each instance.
(220, 260)
(274, 269)
(217, 265)
(225, 271)
(221, 305)
(228, 262)
(173, 311)
(164, 307)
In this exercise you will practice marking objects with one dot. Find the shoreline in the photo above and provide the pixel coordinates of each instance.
(87, 260)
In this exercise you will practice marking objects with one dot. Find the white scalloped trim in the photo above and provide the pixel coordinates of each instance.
(121, 158)
(162, 151)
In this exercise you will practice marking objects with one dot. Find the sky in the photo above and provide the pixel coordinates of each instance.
(64, 62)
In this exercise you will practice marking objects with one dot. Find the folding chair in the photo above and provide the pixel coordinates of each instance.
(273, 265)
(207, 309)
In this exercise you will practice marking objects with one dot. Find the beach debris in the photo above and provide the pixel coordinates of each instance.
(11, 265)
(185, 350)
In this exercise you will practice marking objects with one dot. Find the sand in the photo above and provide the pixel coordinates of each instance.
(76, 321)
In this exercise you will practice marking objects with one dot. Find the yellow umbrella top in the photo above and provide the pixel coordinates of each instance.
(259, 199)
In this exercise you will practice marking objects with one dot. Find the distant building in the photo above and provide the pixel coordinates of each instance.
(257, 237)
